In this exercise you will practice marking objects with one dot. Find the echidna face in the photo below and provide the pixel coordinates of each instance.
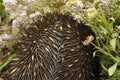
(52, 50)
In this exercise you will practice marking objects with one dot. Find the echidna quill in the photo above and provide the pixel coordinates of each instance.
(53, 50)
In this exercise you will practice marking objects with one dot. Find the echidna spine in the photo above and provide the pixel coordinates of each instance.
(52, 50)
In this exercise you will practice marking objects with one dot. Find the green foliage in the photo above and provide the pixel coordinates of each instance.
(6, 61)
(112, 69)
(46, 6)
(108, 44)
(1, 1)
(2, 7)
(6, 19)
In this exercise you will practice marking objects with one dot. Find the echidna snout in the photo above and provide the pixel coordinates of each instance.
(53, 50)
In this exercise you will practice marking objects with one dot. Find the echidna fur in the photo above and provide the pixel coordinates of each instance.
(52, 50)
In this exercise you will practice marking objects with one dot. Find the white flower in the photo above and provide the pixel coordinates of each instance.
(46, 9)
(25, 8)
(105, 2)
(28, 1)
(116, 34)
(9, 2)
(19, 19)
(79, 3)
(1, 42)
(119, 37)
(37, 13)
(6, 37)
(15, 23)
(20, 6)
(23, 14)
(8, 9)
(32, 15)
(118, 26)
(77, 16)
(13, 15)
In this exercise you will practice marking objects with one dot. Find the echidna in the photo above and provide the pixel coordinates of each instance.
(53, 50)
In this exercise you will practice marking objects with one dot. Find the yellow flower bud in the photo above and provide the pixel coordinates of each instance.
(72, 1)
(91, 12)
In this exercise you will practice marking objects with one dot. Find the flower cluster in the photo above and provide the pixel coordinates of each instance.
(17, 11)
(75, 7)
(96, 13)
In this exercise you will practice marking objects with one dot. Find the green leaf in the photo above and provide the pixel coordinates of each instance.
(5, 63)
(1, 1)
(113, 43)
(2, 7)
(8, 20)
(1, 63)
(103, 29)
(112, 69)
(103, 67)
